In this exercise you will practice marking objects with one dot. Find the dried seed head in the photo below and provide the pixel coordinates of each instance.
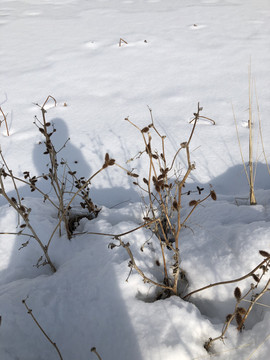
(107, 157)
(237, 293)
(111, 162)
(175, 205)
(145, 181)
(264, 253)
(256, 277)
(154, 156)
(193, 203)
(238, 319)
(241, 311)
(145, 129)
(213, 195)
(157, 263)
(228, 317)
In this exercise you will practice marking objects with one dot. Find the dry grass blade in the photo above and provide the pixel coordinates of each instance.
(5, 120)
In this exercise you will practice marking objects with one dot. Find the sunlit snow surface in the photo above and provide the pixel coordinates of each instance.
(178, 53)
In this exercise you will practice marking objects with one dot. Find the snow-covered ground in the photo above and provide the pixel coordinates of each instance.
(178, 53)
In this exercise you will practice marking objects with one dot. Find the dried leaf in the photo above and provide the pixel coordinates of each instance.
(111, 162)
(193, 203)
(145, 181)
(175, 205)
(264, 253)
(241, 311)
(145, 129)
(256, 278)
(213, 195)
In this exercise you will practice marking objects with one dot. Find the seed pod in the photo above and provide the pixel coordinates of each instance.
(175, 206)
(256, 278)
(111, 162)
(145, 181)
(145, 129)
(154, 156)
(213, 195)
(228, 317)
(237, 293)
(193, 203)
(107, 157)
(264, 253)
(241, 311)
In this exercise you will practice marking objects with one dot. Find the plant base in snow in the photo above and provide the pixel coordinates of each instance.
(162, 189)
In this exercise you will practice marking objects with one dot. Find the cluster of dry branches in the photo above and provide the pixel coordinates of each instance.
(64, 183)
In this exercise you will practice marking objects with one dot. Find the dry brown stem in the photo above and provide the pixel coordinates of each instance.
(30, 312)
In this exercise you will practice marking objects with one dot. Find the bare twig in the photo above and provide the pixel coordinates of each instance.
(30, 312)
(5, 120)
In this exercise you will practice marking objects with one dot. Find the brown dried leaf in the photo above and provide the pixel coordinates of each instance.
(145, 129)
(111, 162)
(264, 253)
(238, 319)
(241, 311)
(256, 277)
(145, 181)
(213, 195)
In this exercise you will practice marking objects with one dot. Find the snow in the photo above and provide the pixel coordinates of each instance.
(178, 53)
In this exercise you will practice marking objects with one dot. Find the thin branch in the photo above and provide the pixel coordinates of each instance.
(5, 119)
(228, 281)
(29, 311)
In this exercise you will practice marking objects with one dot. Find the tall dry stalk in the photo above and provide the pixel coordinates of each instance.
(250, 126)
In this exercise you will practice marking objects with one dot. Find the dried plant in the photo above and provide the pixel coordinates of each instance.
(257, 290)
(30, 312)
(163, 201)
(66, 188)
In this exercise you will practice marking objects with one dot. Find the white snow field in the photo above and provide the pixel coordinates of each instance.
(175, 54)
